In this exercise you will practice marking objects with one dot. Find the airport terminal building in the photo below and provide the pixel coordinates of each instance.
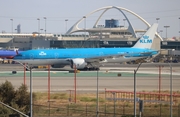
(110, 34)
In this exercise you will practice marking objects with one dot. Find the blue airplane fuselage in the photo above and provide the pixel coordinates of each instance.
(83, 53)
(61, 56)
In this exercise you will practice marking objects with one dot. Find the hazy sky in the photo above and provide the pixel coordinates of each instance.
(26, 12)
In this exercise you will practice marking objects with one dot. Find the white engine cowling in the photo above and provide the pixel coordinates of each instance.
(80, 63)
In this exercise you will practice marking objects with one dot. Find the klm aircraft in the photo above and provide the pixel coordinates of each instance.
(82, 58)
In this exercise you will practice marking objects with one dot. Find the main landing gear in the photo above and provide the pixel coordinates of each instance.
(90, 69)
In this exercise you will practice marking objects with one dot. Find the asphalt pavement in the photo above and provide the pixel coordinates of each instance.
(111, 77)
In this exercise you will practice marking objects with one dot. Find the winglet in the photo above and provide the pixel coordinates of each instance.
(146, 40)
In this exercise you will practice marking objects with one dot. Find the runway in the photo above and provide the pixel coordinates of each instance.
(89, 84)
(62, 80)
(108, 66)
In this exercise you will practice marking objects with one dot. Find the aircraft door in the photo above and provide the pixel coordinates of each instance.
(101, 53)
(56, 55)
(31, 56)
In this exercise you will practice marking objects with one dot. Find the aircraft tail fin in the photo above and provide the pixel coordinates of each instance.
(17, 52)
(146, 40)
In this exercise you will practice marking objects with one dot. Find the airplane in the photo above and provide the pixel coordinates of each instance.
(8, 54)
(90, 58)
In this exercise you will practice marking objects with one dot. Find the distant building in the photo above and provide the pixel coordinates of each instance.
(111, 23)
(18, 28)
(112, 33)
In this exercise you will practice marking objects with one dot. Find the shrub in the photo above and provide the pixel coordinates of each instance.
(22, 98)
(18, 99)
(7, 92)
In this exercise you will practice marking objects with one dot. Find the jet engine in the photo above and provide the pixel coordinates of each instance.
(80, 63)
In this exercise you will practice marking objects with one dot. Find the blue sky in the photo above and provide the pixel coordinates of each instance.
(26, 12)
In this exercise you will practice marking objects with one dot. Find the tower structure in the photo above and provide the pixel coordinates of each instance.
(19, 28)
(130, 28)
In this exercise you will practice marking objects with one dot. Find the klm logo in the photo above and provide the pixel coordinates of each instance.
(146, 39)
(42, 53)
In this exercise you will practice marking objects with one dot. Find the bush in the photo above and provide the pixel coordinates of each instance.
(18, 99)
(4, 110)
(22, 98)
(7, 92)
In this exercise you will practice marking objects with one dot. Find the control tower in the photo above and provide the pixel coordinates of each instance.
(18, 28)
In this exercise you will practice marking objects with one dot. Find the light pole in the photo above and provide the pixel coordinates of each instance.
(97, 96)
(157, 19)
(75, 70)
(135, 71)
(15, 30)
(41, 30)
(157, 22)
(110, 25)
(101, 26)
(38, 26)
(31, 98)
(124, 25)
(119, 28)
(84, 27)
(45, 27)
(179, 27)
(161, 32)
(66, 20)
(12, 30)
(124, 21)
(171, 111)
(166, 30)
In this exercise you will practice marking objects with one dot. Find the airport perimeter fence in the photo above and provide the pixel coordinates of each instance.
(105, 110)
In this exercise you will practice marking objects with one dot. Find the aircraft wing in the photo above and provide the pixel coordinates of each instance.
(102, 58)
(145, 53)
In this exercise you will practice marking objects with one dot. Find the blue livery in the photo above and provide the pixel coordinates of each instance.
(90, 57)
